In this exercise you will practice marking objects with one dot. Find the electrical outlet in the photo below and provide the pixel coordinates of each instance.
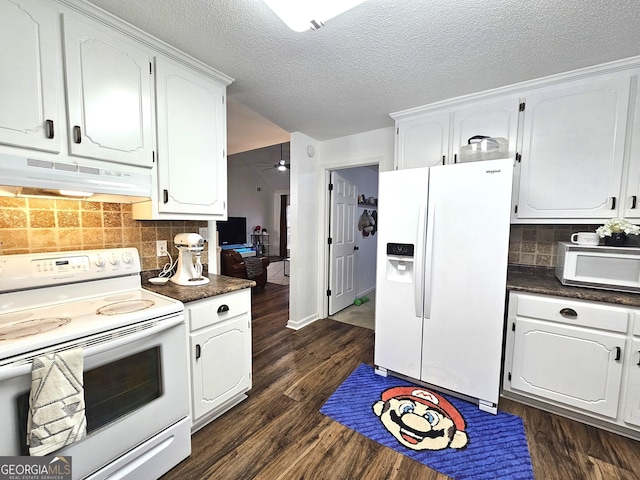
(204, 233)
(161, 248)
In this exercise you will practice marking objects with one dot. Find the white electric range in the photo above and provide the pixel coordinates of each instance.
(134, 351)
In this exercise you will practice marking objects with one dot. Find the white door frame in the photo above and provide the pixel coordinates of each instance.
(326, 231)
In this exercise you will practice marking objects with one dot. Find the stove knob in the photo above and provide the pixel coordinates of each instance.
(127, 258)
(114, 260)
(100, 262)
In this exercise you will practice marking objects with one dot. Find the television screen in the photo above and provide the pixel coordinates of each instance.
(233, 231)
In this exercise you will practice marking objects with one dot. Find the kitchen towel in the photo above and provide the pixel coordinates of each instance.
(56, 402)
(463, 442)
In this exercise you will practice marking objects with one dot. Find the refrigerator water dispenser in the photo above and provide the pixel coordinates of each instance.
(400, 262)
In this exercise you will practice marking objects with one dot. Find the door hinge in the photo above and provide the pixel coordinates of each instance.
(329, 241)
(328, 293)
(521, 108)
(518, 157)
(331, 187)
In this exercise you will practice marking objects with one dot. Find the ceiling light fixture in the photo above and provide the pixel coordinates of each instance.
(282, 164)
(301, 15)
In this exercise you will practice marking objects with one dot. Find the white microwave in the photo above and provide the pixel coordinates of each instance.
(608, 268)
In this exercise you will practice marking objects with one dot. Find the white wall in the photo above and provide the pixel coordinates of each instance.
(244, 200)
(309, 206)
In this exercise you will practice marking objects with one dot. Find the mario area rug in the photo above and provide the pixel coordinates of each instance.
(442, 432)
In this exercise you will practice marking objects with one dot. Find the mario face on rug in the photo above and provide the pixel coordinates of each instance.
(420, 419)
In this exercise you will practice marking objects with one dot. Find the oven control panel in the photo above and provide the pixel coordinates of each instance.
(60, 266)
(34, 270)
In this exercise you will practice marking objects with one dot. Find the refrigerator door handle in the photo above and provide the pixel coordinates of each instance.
(428, 261)
(418, 264)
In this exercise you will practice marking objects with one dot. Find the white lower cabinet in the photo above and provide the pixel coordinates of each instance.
(220, 354)
(632, 400)
(575, 358)
(571, 365)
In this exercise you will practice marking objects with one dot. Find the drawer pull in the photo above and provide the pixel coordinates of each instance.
(634, 201)
(198, 351)
(223, 308)
(618, 353)
(569, 313)
(639, 359)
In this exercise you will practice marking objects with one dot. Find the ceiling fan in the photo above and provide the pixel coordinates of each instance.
(281, 166)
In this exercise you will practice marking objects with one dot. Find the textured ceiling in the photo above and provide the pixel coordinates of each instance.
(382, 56)
(263, 161)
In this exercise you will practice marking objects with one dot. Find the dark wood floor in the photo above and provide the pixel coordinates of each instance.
(278, 432)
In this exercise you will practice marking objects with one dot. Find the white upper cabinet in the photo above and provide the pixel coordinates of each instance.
(630, 201)
(425, 140)
(109, 84)
(192, 166)
(573, 150)
(30, 88)
(498, 119)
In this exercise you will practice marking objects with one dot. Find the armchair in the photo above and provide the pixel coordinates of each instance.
(233, 265)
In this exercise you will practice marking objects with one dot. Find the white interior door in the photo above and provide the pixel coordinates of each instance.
(344, 200)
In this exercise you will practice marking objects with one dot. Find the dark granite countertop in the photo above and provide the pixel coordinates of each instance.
(217, 285)
(542, 280)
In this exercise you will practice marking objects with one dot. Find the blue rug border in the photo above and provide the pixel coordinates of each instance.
(508, 456)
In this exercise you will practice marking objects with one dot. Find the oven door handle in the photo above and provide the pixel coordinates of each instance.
(16, 370)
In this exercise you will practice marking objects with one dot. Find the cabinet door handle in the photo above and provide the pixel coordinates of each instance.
(50, 131)
(77, 134)
(618, 353)
(455, 158)
(613, 203)
(443, 158)
(569, 313)
(634, 200)
(165, 195)
(198, 351)
(639, 358)
(223, 308)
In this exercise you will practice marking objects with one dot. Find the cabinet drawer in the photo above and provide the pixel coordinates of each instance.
(573, 312)
(217, 309)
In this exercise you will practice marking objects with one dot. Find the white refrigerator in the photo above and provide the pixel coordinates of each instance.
(441, 276)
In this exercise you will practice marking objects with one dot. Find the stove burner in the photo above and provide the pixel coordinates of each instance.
(24, 328)
(128, 306)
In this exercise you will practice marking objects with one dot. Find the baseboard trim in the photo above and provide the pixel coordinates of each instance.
(297, 325)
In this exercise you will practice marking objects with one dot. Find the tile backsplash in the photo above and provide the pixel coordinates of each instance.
(33, 225)
(537, 244)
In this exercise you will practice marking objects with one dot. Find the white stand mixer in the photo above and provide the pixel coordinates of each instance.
(189, 271)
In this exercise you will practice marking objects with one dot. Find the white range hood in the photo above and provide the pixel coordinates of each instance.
(23, 176)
